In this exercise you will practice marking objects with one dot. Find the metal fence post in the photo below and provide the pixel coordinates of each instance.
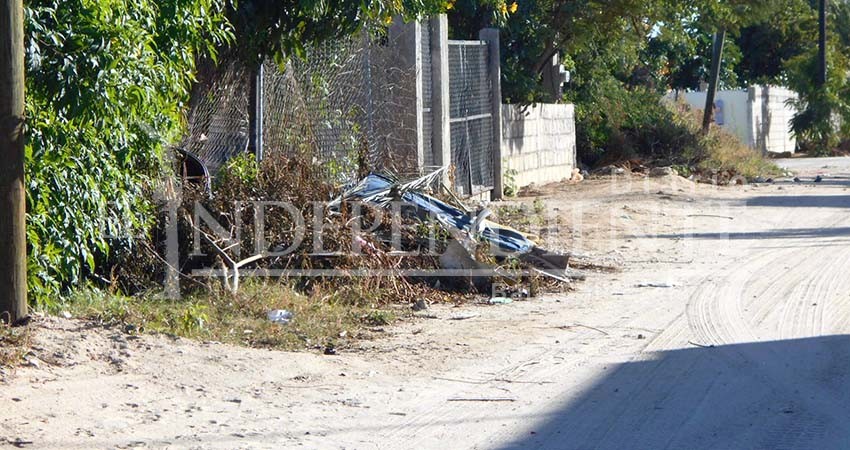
(716, 60)
(256, 113)
(370, 95)
(420, 91)
(440, 106)
(491, 37)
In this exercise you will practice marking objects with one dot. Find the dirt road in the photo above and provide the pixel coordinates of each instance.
(727, 328)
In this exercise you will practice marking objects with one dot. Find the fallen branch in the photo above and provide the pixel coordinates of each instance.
(491, 380)
(578, 325)
(711, 215)
(591, 328)
(588, 265)
(456, 380)
(231, 276)
(522, 382)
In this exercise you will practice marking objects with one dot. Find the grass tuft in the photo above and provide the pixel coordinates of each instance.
(15, 343)
(727, 153)
(721, 151)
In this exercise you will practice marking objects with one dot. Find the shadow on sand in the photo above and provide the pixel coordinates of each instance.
(785, 233)
(769, 395)
(801, 201)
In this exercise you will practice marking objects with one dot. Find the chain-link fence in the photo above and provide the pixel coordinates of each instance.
(426, 67)
(472, 143)
(344, 102)
(367, 99)
(218, 121)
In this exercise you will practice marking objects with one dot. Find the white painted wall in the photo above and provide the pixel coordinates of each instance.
(759, 116)
(539, 143)
(732, 111)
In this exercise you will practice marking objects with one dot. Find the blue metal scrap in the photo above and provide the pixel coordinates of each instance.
(381, 190)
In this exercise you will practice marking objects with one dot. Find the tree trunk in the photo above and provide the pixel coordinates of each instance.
(716, 58)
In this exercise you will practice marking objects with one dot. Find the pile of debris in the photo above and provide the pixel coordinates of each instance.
(467, 230)
(396, 236)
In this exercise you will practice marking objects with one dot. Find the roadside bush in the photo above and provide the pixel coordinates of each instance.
(618, 125)
(107, 81)
(823, 112)
(823, 116)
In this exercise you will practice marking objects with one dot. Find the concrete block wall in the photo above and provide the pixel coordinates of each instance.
(772, 119)
(539, 143)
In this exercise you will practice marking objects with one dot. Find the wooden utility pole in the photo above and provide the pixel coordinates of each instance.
(821, 76)
(13, 252)
(716, 57)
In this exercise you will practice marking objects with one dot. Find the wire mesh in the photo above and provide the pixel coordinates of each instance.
(345, 102)
(427, 94)
(315, 107)
(480, 134)
(470, 94)
(218, 120)
(350, 102)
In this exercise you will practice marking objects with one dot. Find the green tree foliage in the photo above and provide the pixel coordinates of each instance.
(581, 31)
(621, 53)
(623, 49)
(681, 58)
(275, 27)
(779, 46)
(824, 111)
(611, 38)
(823, 117)
(766, 46)
(106, 84)
(841, 23)
(783, 50)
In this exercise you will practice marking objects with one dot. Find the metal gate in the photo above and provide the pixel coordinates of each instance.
(471, 117)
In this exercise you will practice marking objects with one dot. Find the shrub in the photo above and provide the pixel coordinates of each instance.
(619, 125)
(823, 117)
(106, 84)
(823, 111)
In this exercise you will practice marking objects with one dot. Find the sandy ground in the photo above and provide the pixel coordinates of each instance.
(727, 328)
